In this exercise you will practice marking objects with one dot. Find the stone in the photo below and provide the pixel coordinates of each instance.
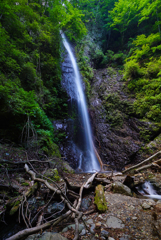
(151, 202)
(67, 167)
(55, 207)
(113, 222)
(33, 237)
(125, 237)
(129, 181)
(118, 187)
(134, 218)
(145, 205)
(86, 202)
(20, 180)
(72, 226)
(100, 199)
(46, 236)
(90, 221)
(104, 233)
(110, 238)
(98, 225)
(83, 232)
(52, 174)
(92, 228)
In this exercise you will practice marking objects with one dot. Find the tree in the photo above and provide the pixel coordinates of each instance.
(122, 15)
(150, 8)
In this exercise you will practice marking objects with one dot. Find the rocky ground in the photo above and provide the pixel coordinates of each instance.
(128, 216)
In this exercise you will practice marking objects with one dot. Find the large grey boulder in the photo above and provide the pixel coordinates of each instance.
(113, 222)
(118, 187)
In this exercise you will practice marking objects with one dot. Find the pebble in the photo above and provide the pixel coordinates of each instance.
(145, 205)
(98, 225)
(92, 228)
(72, 226)
(100, 216)
(134, 218)
(104, 233)
(90, 221)
(83, 232)
(125, 237)
(110, 238)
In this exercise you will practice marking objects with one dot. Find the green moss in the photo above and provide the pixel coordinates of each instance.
(116, 109)
(111, 71)
(50, 148)
(52, 174)
(15, 205)
(99, 199)
(25, 184)
(84, 66)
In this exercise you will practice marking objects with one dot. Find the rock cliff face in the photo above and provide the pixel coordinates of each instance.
(118, 133)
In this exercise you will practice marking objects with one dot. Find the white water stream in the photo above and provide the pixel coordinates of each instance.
(87, 159)
(150, 192)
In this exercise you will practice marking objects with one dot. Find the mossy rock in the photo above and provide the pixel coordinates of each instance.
(52, 174)
(13, 205)
(100, 199)
(119, 187)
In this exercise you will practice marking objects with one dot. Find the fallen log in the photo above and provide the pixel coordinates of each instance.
(154, 164)
(141, 163)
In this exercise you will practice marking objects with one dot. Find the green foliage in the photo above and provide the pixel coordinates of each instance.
(132, 69)
(144, 76)
(68, 18)
(30, 73)
(97, 57)
(114, 59)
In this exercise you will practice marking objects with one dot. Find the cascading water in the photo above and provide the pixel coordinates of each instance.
(148, 191)
(84, 145)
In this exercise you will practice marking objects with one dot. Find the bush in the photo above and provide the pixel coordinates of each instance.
(132, 70)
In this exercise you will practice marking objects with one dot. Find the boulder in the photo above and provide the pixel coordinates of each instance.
(113, 222)
(118, 187)
(52, 174)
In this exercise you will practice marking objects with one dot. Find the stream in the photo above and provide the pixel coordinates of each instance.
(147, 190)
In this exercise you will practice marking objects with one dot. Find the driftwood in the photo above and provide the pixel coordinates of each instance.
(143, 162)
(154, 164)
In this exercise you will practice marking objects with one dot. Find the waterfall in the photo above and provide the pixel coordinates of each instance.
(88, 161)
